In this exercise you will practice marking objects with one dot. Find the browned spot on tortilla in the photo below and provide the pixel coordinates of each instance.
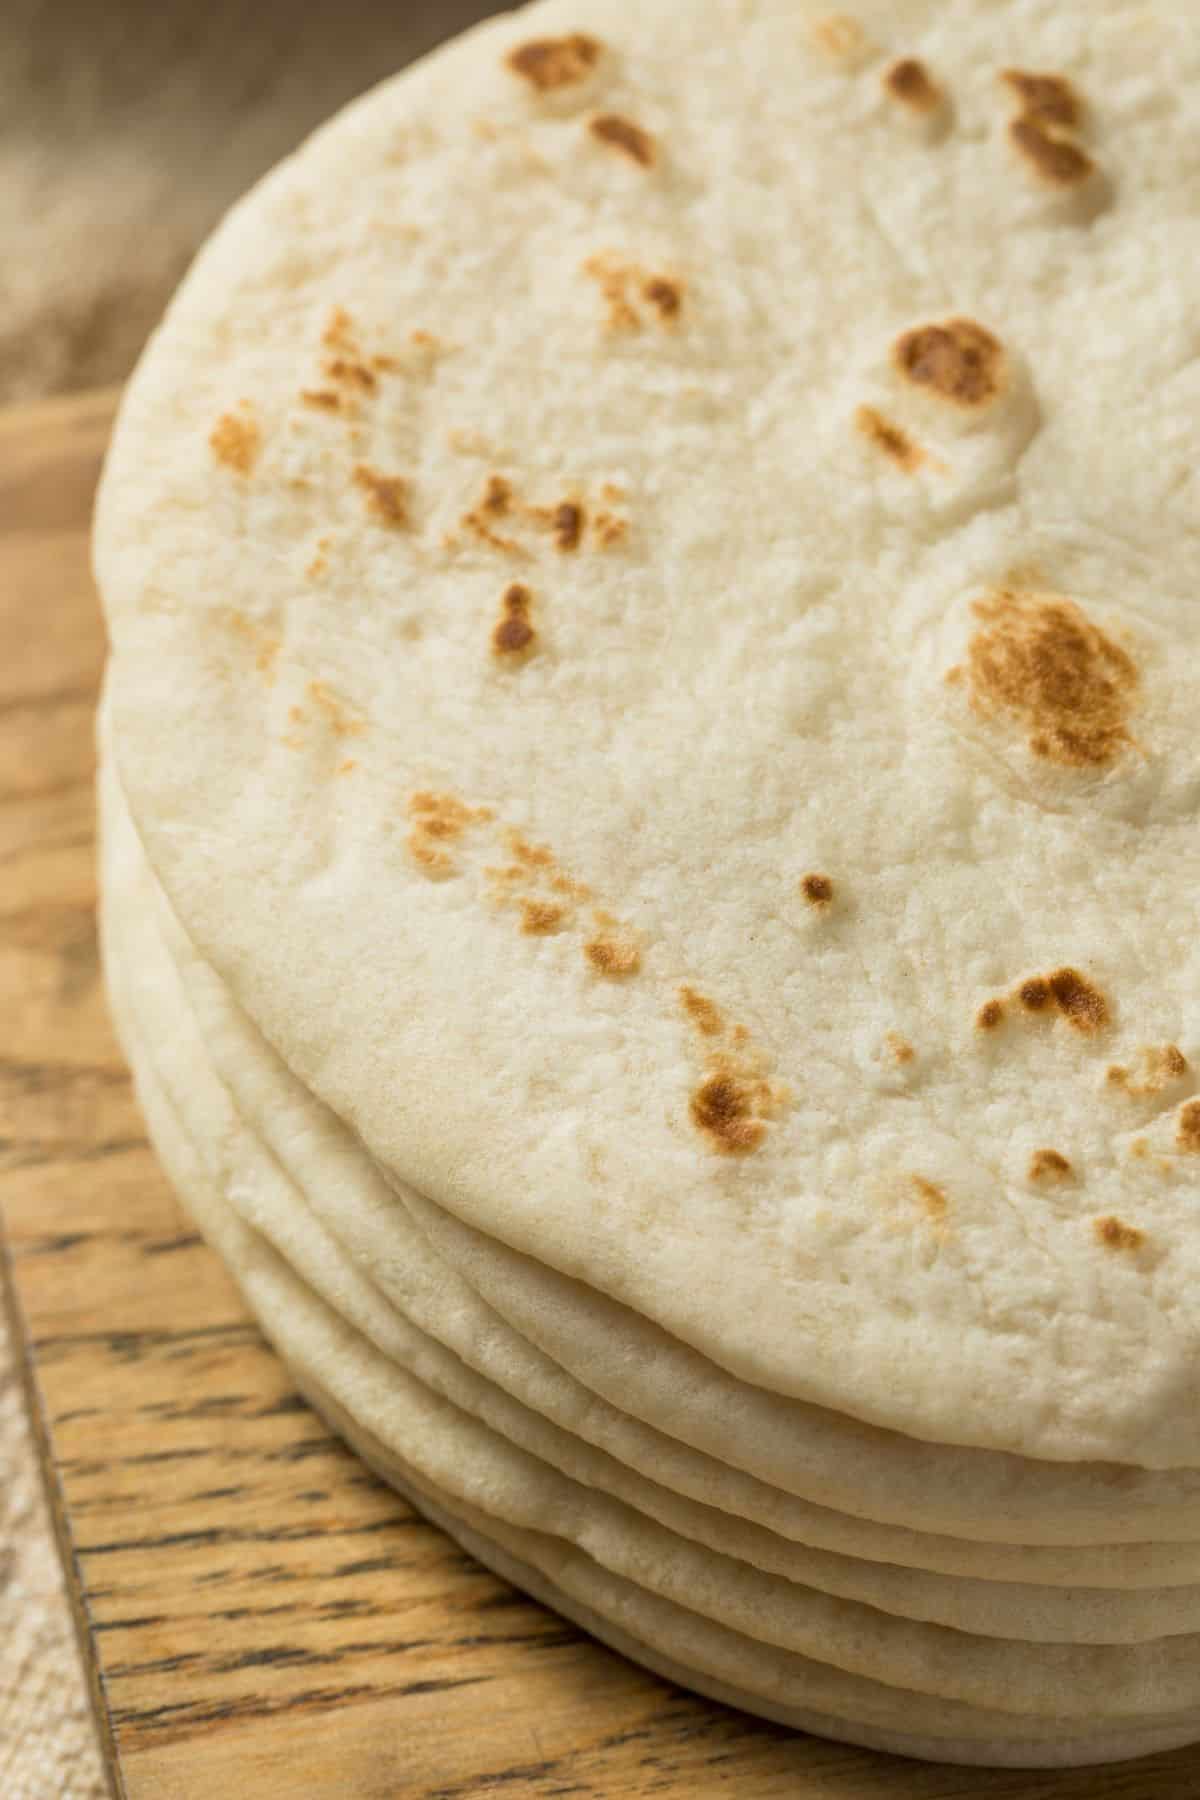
(497, 497)
(817, 890)
(990, 1015)
(910, 82)
(613, 280)
(839, 36)
(902, 1051)
(1042, 661)
(613, 956)
(932, 1197)
(540, 917)
(723, 1107)
(1081, 1004)
(323, 399)
(623, 135)
(1140, 1147)
(889, 439)
(1034, 994)
(350, 372)
(1044, 99)
(608, 530)
(495, 502)
(705, 1015)
(533, 856)
(514, 635)
(439, 819)
(341, 718)
(569, 520)
(387, 496)
(958, 360)
(1114, 1234)
(236, 442)
(1187, 1135)
(339, 330)
(1055, 160)
(1159, 1066)
(665, 296)
(552, 63)
(1049, 1165)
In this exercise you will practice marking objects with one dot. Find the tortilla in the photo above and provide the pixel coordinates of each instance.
(651, 570)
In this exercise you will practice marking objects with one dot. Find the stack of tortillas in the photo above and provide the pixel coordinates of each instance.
(652, 759)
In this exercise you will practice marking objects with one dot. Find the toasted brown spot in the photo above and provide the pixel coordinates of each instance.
(910, 82)
(817, 890)
(351, 372)
(386, 365)
(990, 1015)
(902, 1051)
(445, 815)
(1041, 660)
(705, 1015)
(551, 63)
(1049, 1165)
(533, 856)
(1054, 160)
(622, 134)
(342, 720)
(1159, 1066)
(439, 819)
(514, 634)
(539, 917)
(497, 497)
(665, 296)
(339, 330)
(1187, 1135)
(1140, 1147)
(889, 438)
(958, 360)
(495, 503)
(932, 1197)
(613, 956)
(608, 530)
(1114, 1234)
(323, 399)
(569, 521)
(387, 495)
(1082, 1005)
(1044, 99)
(1034, 994)
(347, 767)
(236, 442)
(723, 1108)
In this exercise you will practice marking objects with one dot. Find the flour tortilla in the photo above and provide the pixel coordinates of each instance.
(749, 688)
(324, 1166)
(458, 1453)
(321, 1352)
(1038, 1747)
(258, 1188)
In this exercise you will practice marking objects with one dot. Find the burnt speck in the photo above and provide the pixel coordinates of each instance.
(623, 135)
(1040, 660)
(958, 360)
(552, 63)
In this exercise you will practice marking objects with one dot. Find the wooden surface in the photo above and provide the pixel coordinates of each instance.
(261, 1617)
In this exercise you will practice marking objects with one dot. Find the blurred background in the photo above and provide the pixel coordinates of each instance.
(126, 129)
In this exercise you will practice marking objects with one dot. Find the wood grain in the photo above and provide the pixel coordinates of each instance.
(262, 1617)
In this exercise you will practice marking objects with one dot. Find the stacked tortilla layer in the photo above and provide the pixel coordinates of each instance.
(661, 953)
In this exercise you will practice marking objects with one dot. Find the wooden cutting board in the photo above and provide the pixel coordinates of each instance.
(259, 1616)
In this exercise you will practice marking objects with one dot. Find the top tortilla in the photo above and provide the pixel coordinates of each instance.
(652, 573)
